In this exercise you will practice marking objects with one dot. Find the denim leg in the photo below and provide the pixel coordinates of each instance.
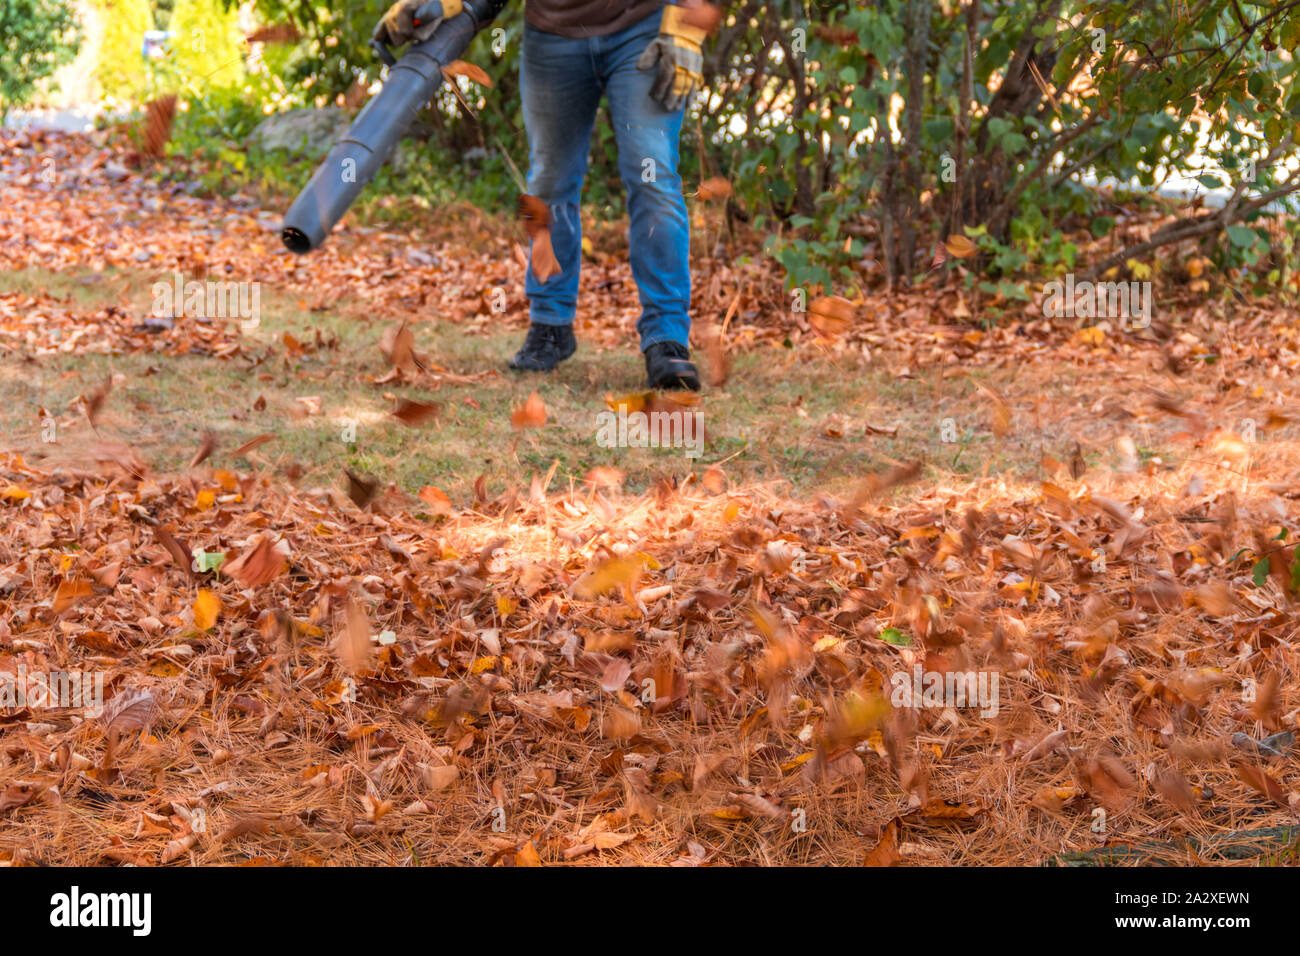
(659, 232)
(560, 91)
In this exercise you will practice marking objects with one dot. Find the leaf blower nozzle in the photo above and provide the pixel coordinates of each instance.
(357, 157)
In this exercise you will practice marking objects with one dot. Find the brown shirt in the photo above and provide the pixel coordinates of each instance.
(588, 18)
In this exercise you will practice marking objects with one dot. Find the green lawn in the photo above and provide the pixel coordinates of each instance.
(797, 416)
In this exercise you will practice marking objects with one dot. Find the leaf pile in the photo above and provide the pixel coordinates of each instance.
(698, 675)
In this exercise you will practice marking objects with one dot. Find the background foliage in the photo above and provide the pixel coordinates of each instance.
(36, 38)
(866, 132)
(121, 71)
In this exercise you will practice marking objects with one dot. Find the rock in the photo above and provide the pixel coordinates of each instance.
(302, 130)
(422, 258)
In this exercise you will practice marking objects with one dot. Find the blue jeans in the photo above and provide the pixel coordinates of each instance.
(562, 79)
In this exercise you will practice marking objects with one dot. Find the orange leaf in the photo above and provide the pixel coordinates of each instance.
(885, 852)
(536, 218)
(959, 246)
(415, 413)
(69, 593)
(436, 497)
(207, 608)
(714, 187)
(702, 16)
(531, 414)
(475, 73)
(831, 315)
(260, 563)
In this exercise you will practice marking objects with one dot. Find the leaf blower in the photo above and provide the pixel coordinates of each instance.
(352, 163)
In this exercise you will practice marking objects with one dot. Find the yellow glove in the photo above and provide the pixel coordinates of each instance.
(678, 58)
(414, 21)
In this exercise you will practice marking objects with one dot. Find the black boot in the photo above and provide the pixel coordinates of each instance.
(668, 365)
(546, 347)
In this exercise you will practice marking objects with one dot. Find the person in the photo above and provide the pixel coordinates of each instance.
(645, 57)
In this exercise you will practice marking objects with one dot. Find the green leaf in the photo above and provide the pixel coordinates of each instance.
(1014, 143)
(1242, 237)
(1259, 573)
(1295, 571)
(939, 130)
(892, 635)
(203, 561)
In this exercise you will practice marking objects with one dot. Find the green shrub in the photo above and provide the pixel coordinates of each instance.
(36, 38)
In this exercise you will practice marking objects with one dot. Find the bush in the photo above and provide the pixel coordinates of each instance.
(122, 72)
(36, 38)
(847, 128)
(207, 46)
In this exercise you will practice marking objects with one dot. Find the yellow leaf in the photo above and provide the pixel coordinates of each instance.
(207, 608)
(796, 762)
(162, 667)
(483, 664)
(1093, 335)
(1139, 270)
(607, 575)
(505, 606)
(729, 813)
(629, 404)
(14, 493)
(959, 247)
(205, 500)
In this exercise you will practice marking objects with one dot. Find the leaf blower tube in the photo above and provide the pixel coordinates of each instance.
(354, 160)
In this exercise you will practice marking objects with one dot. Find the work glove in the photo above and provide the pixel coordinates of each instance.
(677, 57)
(414, 21)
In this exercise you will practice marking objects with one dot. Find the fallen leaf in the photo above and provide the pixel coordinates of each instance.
(715, 187)
(536, 218)
(475, 73)
(261, 562)
(207, 608)
(437, 498)
(531, 414)
(410, 412)
(352, 644)
(885, 852)
(831, 315)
